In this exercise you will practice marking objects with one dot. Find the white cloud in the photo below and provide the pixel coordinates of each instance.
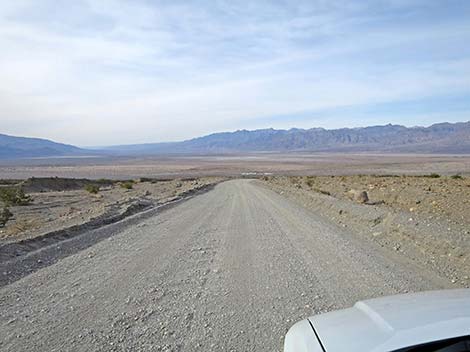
(104, 72)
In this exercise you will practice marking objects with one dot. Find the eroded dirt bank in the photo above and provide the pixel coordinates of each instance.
(58, 203)
(423, 218)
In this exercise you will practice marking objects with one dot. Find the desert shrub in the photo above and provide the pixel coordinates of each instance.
(14, 196)
(456, 177)
(127, 184)
(148, 179)
(91, 188)
(310, 181)
(265, 178)
(433, 175)
(5, 215)
(104, 181)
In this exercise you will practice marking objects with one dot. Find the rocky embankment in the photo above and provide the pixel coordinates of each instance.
(425, 218)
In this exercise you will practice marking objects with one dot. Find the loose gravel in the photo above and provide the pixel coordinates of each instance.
(229, 270)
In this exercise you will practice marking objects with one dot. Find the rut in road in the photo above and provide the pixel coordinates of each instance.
(229, 270)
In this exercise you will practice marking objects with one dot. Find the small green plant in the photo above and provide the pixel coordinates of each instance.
(14, 196)
(5, 215)
(127, 184)
(456, 177)
(91, 188)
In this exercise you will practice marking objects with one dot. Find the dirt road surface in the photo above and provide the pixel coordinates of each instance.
(229, 270)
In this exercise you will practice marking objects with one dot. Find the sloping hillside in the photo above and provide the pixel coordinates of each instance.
(22, 147)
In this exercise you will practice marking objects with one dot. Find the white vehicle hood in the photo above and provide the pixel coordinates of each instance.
(391, 323)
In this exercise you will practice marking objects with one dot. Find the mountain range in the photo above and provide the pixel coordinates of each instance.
(23, 147)
(437, 138)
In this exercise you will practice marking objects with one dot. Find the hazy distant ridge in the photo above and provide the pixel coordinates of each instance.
(438, 138)
(22, 147)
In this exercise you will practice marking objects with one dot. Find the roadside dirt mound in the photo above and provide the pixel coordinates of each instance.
(425, 218)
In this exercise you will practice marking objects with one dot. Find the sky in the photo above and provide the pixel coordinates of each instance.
(103, 72)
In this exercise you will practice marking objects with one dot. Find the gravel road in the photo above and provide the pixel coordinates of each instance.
(229, 270)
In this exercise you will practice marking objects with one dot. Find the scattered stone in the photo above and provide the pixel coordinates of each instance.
(358, 196)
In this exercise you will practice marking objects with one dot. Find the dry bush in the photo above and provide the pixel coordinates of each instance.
(93, 189)
(14, 196)
(127, 184)
(310, 181)
(433, 175)
(5, 215)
